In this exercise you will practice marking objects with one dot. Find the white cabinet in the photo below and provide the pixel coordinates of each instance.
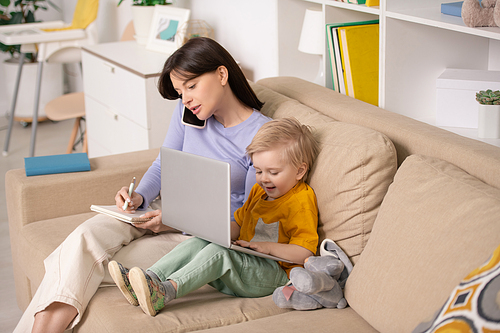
(417, 43)
(124, 110)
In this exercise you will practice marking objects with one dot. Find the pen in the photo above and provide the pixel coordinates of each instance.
(130, 190)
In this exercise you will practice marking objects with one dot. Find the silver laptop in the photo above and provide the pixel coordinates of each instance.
(196, 198)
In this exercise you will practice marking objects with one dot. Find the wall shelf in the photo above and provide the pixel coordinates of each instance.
(417, 43)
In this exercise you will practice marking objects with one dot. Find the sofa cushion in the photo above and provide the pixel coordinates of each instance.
(474, 304)
(435, 225)
(202, 309)
(321, 320)
(350, 176)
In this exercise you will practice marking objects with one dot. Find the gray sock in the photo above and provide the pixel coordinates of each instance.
(170, 292)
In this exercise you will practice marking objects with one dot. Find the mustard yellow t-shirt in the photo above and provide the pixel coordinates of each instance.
(289, 219)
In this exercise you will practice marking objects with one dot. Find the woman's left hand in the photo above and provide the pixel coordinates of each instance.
(155, 224)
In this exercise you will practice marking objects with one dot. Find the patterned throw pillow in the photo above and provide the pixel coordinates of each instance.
(474, 305)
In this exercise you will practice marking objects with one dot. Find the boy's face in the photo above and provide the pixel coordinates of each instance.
(275, 176)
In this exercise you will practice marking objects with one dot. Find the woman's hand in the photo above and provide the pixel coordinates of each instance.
(133, 202)
(155, 224)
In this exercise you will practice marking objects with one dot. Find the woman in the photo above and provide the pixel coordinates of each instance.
(211, 86)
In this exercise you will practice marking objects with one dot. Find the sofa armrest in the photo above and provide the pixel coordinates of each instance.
(36, 198)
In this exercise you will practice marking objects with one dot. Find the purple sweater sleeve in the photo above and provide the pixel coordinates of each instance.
(150, 184)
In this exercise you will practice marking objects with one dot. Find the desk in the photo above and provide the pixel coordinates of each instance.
(124, 110)
(26, 34)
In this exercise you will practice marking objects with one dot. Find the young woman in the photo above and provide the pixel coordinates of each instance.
(211, 86)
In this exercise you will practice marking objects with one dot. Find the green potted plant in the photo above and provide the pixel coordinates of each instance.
(142, 15)
(489, 114)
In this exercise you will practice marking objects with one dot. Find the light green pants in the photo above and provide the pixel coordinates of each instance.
(196, 262)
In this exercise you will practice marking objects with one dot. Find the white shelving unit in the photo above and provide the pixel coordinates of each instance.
(417, 43)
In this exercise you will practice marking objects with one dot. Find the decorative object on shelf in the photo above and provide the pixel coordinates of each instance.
(165, 25)
(312, 39)
(452, 8)
(481, 13)
(456, 92)
(489, 114)
(194, 28)
(142, 15)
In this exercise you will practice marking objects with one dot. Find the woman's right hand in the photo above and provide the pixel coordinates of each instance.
(133, 202)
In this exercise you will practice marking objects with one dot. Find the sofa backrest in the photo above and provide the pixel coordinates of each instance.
(350, 176)
(408, 135)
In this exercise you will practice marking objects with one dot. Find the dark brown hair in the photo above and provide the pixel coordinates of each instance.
(202, 55)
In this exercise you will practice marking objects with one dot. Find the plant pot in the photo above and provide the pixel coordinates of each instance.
(52, 87)
(142, 16)
(489, 122)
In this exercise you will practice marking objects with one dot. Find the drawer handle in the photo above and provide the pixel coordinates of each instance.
(111, 67)
(115, 117)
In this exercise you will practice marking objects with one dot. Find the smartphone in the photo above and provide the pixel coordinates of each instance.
(189, 119)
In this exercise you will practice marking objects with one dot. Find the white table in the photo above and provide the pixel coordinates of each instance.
(27, 34)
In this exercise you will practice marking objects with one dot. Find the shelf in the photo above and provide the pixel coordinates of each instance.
(434, 18)
(472, 133)
(417, 43)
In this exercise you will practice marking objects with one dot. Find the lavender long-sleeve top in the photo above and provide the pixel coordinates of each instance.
(213, 141)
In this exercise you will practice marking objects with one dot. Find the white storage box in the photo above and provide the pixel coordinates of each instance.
(456, 95)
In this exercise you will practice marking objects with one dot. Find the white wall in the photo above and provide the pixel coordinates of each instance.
(263, 35)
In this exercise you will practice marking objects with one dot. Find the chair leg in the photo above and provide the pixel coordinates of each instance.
(85, 147)
(74, 132)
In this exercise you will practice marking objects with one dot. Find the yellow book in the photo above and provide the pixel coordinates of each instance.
(360, 54)
(371, 3)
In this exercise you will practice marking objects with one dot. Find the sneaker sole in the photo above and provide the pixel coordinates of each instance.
(116, 275)
(141, 289)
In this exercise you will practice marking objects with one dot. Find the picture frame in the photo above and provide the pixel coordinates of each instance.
(164, 35)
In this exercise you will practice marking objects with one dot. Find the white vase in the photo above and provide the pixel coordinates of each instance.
(489, 122)
(142, 17)
(51, 87)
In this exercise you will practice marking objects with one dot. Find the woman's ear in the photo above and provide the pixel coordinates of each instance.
(223, 75)
(301, 171)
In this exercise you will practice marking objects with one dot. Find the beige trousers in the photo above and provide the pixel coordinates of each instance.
(78, 267)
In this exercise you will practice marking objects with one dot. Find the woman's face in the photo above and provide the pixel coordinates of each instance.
(203, 95)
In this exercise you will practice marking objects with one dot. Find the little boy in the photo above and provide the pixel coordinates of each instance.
(280, 217)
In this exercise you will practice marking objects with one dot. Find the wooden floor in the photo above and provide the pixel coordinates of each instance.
(52, 138)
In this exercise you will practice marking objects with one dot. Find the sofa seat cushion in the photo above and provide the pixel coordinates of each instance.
(320, 320)
(204, 308)
(350, 176)
(436, 224)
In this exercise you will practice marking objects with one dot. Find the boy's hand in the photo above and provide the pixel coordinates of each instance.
(262, 247)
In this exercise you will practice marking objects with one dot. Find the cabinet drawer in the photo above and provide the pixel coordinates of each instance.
(114, 132)
(120, 90)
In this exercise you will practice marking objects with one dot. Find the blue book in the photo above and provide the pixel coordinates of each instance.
(452, 8)
(45, 165)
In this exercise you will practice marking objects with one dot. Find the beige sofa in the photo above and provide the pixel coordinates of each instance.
(415, 207)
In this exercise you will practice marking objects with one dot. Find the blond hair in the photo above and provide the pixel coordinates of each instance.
(296, 140)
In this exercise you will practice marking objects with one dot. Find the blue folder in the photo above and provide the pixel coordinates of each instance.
(45, 165)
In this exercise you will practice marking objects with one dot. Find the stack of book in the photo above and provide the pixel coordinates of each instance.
(368, 3)
(354, 56)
